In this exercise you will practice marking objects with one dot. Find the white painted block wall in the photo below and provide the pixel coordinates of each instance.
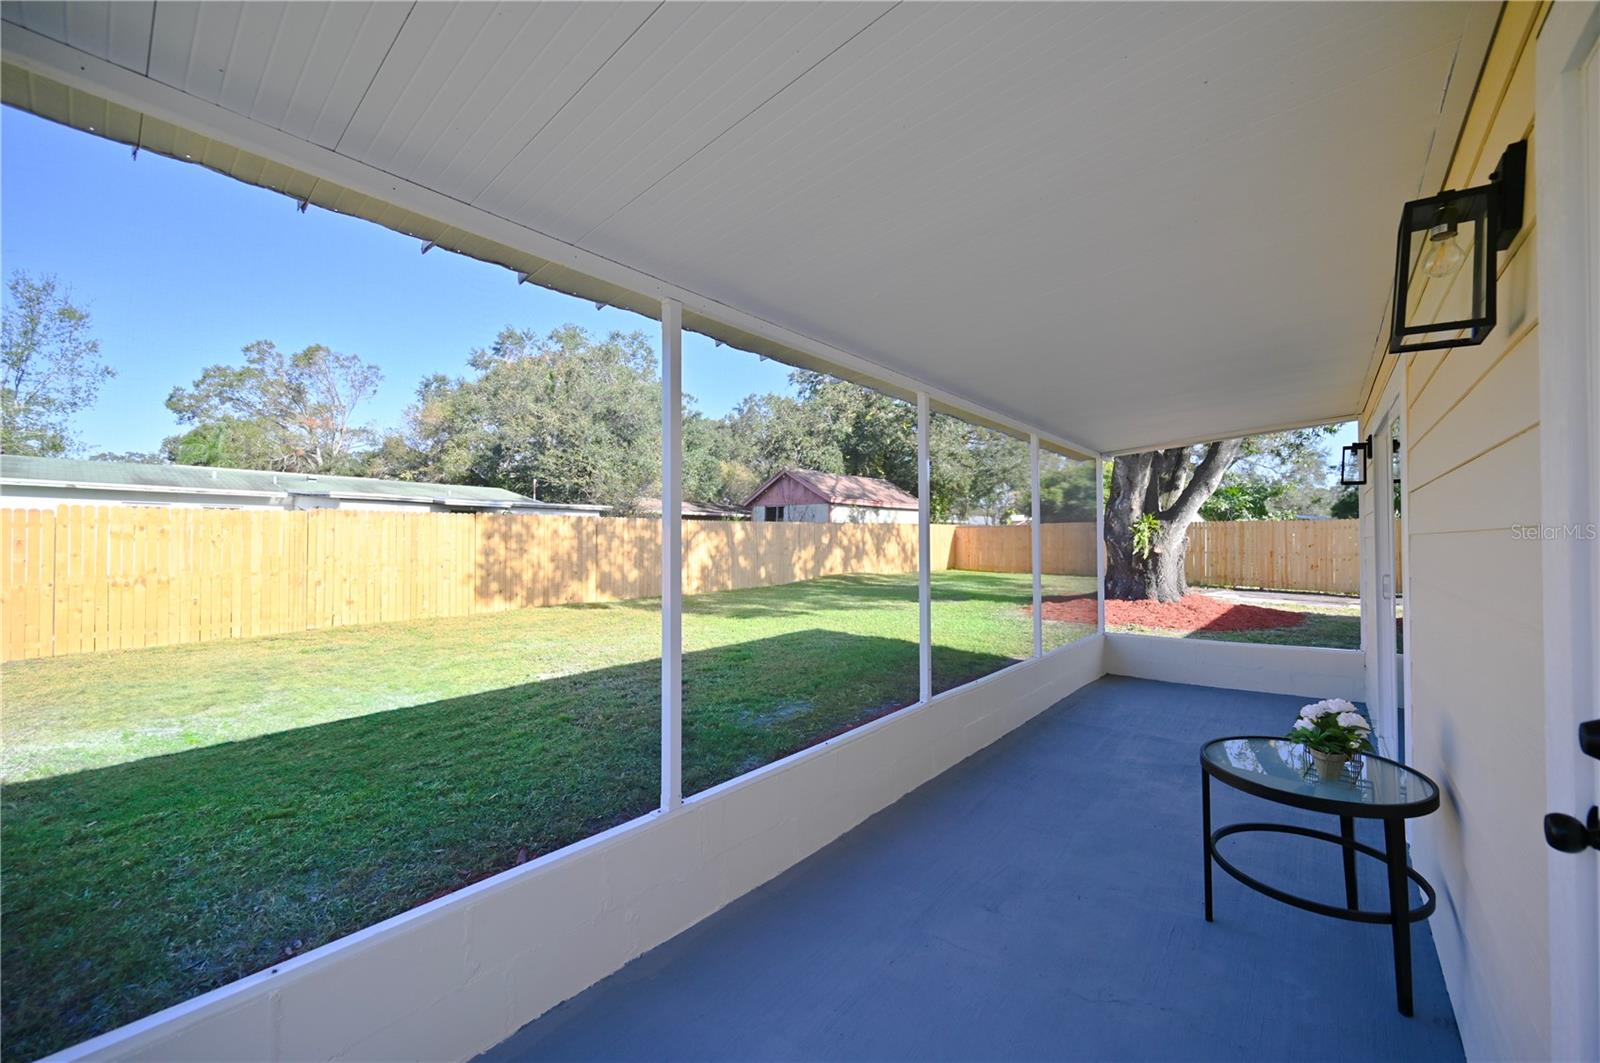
(1312, 671)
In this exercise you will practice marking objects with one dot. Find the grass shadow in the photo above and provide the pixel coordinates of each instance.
(131, 887)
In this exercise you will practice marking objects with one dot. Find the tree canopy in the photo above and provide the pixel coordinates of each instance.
(573, 418)
(833, 425)
(51, 367)
(1347, 506)
(290, 412)
(1277, 476)
(1066, 490)
(569, 417)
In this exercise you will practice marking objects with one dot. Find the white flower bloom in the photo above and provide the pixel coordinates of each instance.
(1311, 712)
(1354, 719)
(1339, 705)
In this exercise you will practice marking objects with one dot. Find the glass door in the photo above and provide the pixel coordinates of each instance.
(1394, 606)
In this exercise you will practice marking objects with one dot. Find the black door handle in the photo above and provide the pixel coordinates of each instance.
(1568, 834)
(1589, 738)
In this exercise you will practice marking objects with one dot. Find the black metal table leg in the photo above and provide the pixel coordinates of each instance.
(1205, 833)
(1347, 831)
(1275, 769)
(1394, 846)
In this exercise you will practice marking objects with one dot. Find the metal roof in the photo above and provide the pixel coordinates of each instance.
(843, 490)
(652, 507)
(1112, 224)
(196, 479)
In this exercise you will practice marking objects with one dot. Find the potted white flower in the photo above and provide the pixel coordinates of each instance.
(1334, 732)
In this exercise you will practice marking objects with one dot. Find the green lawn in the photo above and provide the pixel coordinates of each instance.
(176, 818)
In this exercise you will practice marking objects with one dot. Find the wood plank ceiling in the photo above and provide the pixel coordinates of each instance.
(1128, 224)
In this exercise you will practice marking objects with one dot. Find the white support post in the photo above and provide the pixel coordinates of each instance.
(1100, 542)
(924, 554)
(1038, 554)
(671, 554)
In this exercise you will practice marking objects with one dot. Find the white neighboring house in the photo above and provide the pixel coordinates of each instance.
(831, 498)
(46, 483)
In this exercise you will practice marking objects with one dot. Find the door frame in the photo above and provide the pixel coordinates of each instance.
(1389, 672)
(1568, 254)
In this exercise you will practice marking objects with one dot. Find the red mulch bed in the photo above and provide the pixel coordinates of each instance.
(1194, 612)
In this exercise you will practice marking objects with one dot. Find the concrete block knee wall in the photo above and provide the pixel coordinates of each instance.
(1312, 671)
(456, 976)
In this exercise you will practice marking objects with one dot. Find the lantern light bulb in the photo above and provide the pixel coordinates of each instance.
(1444, 254)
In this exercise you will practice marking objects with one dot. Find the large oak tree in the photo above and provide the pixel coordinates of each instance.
(1157, 495)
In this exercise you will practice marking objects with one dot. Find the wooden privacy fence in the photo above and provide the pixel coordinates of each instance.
(1319, 556)
(1064, 549)
(82, 579)
(1323, 556)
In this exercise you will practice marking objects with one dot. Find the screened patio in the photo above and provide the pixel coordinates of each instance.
(1040, 900)
(1098, 229)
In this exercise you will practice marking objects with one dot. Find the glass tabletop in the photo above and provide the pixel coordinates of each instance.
(1278, 766)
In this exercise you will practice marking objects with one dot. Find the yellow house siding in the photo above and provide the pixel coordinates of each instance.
(1473, 612)
(1504, 95)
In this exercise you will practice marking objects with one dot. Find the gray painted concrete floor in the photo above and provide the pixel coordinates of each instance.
(1041, 900)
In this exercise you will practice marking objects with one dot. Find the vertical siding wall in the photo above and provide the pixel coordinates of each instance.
(1473, 624)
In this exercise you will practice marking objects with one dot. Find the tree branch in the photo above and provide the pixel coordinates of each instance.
(1207, 477)
(1131, 480)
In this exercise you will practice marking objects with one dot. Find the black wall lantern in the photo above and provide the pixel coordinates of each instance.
(1353, 463)
(1449, 234)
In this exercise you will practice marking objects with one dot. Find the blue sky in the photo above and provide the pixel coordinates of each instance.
(180, 267)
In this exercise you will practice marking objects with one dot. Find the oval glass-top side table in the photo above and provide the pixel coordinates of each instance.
(1373, 787)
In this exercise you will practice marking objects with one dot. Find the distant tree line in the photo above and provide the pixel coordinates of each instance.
(565, 415)
(576, 418)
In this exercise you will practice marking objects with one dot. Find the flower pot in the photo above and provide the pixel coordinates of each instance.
(1330, 766)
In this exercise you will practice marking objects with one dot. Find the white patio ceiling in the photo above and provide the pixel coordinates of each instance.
(1122, 224)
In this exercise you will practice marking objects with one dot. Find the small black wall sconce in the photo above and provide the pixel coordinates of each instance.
(1445, 234)
(1353, 462)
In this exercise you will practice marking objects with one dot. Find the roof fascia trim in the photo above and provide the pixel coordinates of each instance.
(1282, 426)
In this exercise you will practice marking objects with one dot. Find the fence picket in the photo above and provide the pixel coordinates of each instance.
(82, 578)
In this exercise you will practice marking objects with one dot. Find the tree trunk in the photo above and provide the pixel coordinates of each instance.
(1158, 577)
(1126, 570)
(1162, 491)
